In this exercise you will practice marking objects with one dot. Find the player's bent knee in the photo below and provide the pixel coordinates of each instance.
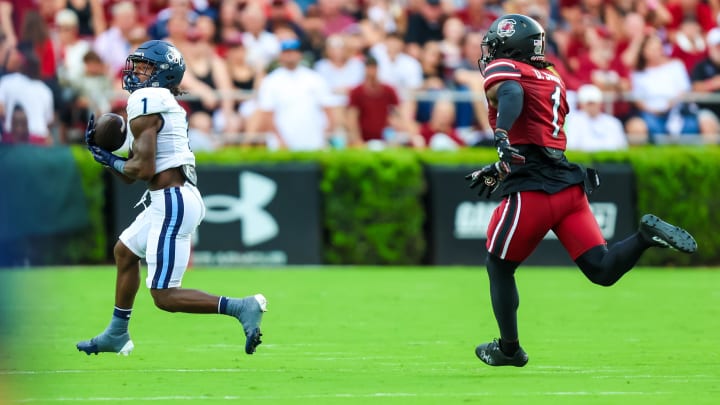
(595, 273)
(602, 281)
(592, 266)
(123, 254)
(164, 299)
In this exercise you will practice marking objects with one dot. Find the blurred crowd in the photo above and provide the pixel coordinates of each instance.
(315, 74)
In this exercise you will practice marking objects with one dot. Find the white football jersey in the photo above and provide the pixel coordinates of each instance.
(173, 148)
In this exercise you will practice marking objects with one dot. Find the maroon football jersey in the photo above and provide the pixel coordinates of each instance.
(544, 104)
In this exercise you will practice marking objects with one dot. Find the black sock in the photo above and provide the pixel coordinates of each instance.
(504, 296)
(509, 347)
(605, 266)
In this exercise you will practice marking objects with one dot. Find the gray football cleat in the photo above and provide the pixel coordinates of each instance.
(491, 355)
(250, 317)
(663, 234)
(120, 344)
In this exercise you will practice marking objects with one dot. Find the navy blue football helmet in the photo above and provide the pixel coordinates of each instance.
(166, 66)
(513, 36)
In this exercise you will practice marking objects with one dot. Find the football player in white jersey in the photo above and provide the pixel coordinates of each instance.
(161, 234)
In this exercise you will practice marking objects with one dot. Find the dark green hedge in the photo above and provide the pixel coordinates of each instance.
(89, 245)
(679, 185)
(373, 201)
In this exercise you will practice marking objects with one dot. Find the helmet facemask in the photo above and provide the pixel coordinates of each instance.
(131, 80)
(488, 49)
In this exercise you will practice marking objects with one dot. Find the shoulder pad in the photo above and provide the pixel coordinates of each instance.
(149, 101)
(501, 69)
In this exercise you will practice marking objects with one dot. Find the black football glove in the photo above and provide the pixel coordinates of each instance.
(506, 153)
(488, 178)
(90, 132)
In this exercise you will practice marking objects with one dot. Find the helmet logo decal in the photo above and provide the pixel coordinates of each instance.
(506, 28)
(173, 56)
(538, 44)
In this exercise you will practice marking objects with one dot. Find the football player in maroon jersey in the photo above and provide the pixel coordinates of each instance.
(541, 189)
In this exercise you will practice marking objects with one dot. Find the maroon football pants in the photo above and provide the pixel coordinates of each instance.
(522, 219)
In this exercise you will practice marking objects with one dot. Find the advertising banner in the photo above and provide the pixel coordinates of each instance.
(458, 218)
(255, 214)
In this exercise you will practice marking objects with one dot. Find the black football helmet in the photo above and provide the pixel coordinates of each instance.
(513, 36)
(165, 64)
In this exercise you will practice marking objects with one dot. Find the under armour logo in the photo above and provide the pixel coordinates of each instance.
(257, 225)
(485, 356)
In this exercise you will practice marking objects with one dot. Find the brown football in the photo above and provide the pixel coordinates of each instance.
(110, 131)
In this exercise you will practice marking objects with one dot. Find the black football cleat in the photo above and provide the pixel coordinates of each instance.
(663, 234)
(491, 355)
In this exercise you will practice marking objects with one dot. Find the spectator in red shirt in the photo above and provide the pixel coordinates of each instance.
(688, 44)
(602, 66)
(369, 106)
(697, 10)
(571, 39)
(336, 19)
(476, 15)
(35, 38)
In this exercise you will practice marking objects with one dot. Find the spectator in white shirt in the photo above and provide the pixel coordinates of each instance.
(658, 86)
(294, 102)
(25, 89)
(262, 46)
(590, 129)
(341, 71)
(113, 45)
(71, 48)
(397, 68)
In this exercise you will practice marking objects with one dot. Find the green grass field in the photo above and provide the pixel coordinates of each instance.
(369, 335)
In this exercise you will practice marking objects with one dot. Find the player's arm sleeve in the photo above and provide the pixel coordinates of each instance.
(509, 104)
